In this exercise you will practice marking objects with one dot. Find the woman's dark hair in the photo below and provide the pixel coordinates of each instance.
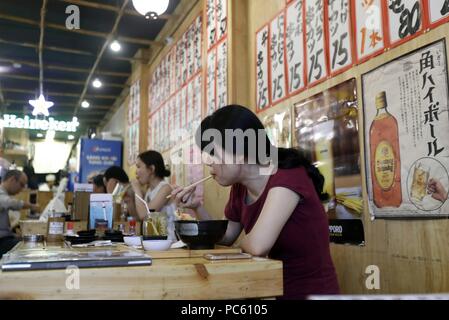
(154, 158)
(116, 173)
(236, 117)
(98, 181)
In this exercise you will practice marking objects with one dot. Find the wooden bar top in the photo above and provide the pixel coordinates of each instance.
(172, 278)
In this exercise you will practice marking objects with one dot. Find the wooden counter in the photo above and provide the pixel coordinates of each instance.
(175, 278)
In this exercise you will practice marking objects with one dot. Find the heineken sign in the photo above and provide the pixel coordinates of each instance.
(12, 121)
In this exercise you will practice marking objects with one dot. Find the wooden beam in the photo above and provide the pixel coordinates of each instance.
(59, 94)
(63, 68)
(85, 32)
(100, 54)
(53, 80)
(65, 50)
(100, 6)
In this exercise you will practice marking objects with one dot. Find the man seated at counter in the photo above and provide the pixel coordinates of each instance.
(114, 176)
(13, 183)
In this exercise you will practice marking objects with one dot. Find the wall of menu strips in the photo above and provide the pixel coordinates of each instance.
(217, 55)
(133, 122)
(176, 105)
(312, 40)
(175, 94)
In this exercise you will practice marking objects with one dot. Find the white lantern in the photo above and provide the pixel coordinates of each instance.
(151, 8)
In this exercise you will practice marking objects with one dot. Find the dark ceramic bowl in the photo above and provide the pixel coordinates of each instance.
(201, 234)
(87, 233)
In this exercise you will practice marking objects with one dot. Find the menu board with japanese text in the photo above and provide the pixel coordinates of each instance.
(211, 23)
(222, 75)
(211, 82)
(315, 41)
(339, 30)
(262, 85)
(405, 19)
(222, 18)
(438, 11)
(369, 32)
(294, 46)
(277, 59)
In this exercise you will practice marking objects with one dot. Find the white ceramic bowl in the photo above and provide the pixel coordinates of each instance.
(156, 245)
(133, 241)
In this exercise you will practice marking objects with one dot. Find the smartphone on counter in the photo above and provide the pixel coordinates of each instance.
(227, 256)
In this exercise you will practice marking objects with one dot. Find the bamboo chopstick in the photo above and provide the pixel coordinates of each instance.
(193, 184)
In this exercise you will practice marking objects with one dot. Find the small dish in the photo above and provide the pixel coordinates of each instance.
(156, 245)
(133, 241)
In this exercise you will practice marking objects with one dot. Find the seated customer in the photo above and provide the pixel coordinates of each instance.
(98, 183)
(115, 175)
(151, 173)
(13, 183)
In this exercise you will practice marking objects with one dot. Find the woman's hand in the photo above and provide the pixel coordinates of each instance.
(185, 198)
(137, 187)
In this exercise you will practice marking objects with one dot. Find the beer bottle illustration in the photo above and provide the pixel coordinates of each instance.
(385, 156)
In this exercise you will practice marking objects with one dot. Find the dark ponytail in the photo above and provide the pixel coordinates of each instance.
(294, 158)
(154, 158)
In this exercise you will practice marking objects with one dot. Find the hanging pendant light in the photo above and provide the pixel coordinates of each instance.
(151, 9)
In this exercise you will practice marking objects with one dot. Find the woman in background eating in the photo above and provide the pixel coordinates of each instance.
(151, 173)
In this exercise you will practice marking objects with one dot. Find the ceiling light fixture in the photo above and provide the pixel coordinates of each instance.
(97, 83)
(39, 135)
(151, 9)
(115, 46)
(70, 137)
(41, 106)
(4, 69)
(85, 104)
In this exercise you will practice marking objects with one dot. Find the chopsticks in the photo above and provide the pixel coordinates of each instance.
(193, 184)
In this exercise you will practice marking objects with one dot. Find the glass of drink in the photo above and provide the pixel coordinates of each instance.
(421, 174)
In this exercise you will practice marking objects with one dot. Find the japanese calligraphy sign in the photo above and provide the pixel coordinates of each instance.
(369, 33)
(407, 150)
(277, 59)
(438, 11)
(405, 19)
(315, 41)
(294, 46)
(198, 43)
(211, 23)
(182, 106)
(222, 18)
(262, 92)
(190, 106)
(197, 100)
(339, 30)
(211, 82)
(222, 75)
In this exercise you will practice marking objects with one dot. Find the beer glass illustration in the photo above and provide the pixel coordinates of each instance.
(421, 175)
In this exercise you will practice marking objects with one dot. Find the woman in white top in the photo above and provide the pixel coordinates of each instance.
(151, 172)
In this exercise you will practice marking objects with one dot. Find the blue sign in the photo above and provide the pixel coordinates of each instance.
(98, 155)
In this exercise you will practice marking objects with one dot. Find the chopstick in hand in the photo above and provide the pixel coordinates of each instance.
(193, 184)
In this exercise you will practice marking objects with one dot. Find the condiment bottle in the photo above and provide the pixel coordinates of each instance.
(55, 227)
(132, 226)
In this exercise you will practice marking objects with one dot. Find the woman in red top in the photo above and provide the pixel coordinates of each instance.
(277, 206)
